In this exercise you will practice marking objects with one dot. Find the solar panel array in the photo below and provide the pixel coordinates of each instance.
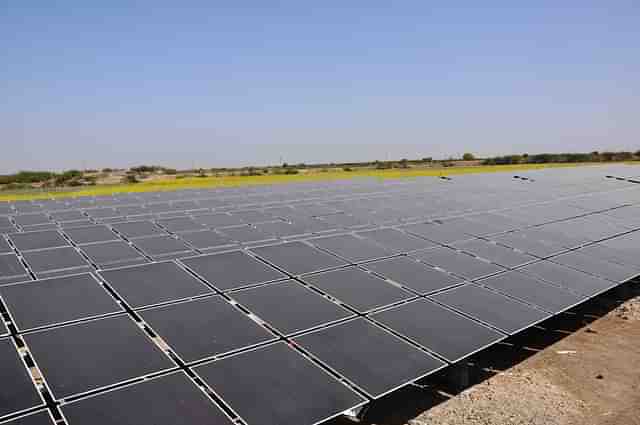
(290, 304)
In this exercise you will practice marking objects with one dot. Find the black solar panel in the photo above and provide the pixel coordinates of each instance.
(351, 248)
(152, 284)
(113, 254)
(94, 354)
(11, 269)
(533, 291)
(204, 328)
(38, 240)
(159, 247)
(180, 224)
(498, 254)
(245, 234)
(357, 288)
(298, 258)
(290, 307)
(206, 239)
(363, 352)
(18, 393)
(169, 400)
(573, 280)
(264, 387)
(395, 240)
(136, 229)
(458, 263)
(492, 308)
(58, 300)
(46, 262)
(407, 272)
(90, 234)
(444, 332)
(5, 248)
(596, 266)
(231, 270)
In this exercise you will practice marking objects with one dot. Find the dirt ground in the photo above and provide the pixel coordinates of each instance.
(581, 368)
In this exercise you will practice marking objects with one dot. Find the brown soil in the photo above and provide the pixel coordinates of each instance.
(578, 369)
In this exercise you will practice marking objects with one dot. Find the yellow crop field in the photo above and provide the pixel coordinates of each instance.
(268, 179)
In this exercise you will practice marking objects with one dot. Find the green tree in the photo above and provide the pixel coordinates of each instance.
(468, 157)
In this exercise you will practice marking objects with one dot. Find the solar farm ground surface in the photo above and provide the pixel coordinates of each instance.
(289, 304)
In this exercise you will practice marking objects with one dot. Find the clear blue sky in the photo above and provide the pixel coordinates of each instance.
(214, 83)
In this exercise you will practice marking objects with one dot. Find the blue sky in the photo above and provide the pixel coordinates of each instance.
(210, 83)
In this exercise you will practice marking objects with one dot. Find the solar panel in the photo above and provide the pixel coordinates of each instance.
(274, 395)
(49, 261)
(571, 279)
(159, 247)
(281, 229)
(407, 272)
(206, 239)
(359, 289)
(154, 283)
(446, 333)
(168, 400)
(95, 354)
(20, 394)
(395, 240)
(31, 219)
(204, 328)
(351, 248)
(298, 258)
(218, 220)
(245, 234)
(372, 358)
(458, 263)
(613, 254)
(290, 307)
(504, 313)
(5, 248)
(11, 269)
(38, 240)
(441, 233)
(526, 243)
(113, 254)
(69, 215)
(533, 291)
(596, 266)
(498, 254)
(91, 234)
(55, 301)
(252, 216)
(137, 229)
(231, 270)
(180, 224)
(42, 417)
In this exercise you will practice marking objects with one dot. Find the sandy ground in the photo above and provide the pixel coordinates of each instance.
(581, 369)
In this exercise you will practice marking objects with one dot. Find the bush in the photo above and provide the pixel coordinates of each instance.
(130, 178)
(347, 169)
(468, 157)
(291, 171)
(170, 171)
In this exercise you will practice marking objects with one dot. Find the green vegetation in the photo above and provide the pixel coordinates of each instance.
(548, 158)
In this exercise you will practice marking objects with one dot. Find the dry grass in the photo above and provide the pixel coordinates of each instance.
(235, 181)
